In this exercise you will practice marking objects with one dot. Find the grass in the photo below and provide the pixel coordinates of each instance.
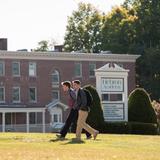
(36, 146)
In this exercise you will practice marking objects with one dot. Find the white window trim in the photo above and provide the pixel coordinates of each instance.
(33, 101)
(79, 76)
(3, 63)
(60, 117)
(3, 95)
(16, 75)
(16, 101)
(92, 76)
(35, 69)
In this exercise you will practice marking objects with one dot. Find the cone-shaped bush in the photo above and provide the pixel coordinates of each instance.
(140, 108)
(95, 117)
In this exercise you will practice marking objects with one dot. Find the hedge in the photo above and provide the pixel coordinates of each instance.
(131, 128)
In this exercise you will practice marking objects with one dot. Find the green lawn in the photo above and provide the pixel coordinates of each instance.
(35, 146)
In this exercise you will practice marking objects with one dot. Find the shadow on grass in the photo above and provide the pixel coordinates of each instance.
(57, 139)
(74, 141)
(71, 141)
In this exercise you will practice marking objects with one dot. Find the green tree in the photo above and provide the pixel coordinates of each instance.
(119, 30)
(147, 43)
(42, 46)
(46, 45)
(140, 108)
(148, 70)
(83, 31)
(148, 23)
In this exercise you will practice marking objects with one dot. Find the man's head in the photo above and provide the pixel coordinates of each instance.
(66, 85)
(76, 84)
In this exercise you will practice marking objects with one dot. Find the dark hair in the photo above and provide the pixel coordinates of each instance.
(77, 82)
(67, 83)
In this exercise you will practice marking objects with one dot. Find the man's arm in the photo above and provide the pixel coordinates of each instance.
(72, 95)
(83, 98)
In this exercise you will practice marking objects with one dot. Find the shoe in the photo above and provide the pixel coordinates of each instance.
(89, 137)
(59, 136)
(95, 135)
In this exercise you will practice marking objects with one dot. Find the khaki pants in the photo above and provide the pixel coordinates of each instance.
(81, 123)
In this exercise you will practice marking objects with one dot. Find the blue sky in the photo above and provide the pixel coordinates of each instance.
(26, 22)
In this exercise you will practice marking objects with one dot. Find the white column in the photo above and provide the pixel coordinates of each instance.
(126, 97)
(27, 121)
(3, 122)
(43, 121)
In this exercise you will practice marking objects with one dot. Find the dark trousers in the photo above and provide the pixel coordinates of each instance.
(71, 119)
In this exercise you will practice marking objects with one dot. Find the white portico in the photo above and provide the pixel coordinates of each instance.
(27, 111)
(112, 86)
(55, 109)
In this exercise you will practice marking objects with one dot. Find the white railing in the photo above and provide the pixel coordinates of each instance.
(23, 128)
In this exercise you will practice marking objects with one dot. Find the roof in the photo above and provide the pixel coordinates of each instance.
(68, 56)
(55, 103)
(111, 67)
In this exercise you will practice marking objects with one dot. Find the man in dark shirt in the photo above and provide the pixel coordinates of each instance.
(83, 110)
(73, 114)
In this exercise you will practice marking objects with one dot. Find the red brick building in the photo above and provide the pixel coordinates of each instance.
(30, 83)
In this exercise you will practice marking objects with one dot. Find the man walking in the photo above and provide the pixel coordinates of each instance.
(83, 109)
(73, 114)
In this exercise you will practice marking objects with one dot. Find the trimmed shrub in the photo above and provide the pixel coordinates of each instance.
(140, 108)
(95, 117)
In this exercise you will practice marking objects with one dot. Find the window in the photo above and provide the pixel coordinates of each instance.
(55, 77)
(55, 117)
(55, 94)
(78, 70)
(112, 97)
(2, 94)
(32, 94)
(16, 94)
(105, 97)
(32, 69)
(16, 69)
(92, 67)
(2, 68)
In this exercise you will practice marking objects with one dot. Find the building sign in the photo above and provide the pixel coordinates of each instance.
(113, 112)
(112, 84)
